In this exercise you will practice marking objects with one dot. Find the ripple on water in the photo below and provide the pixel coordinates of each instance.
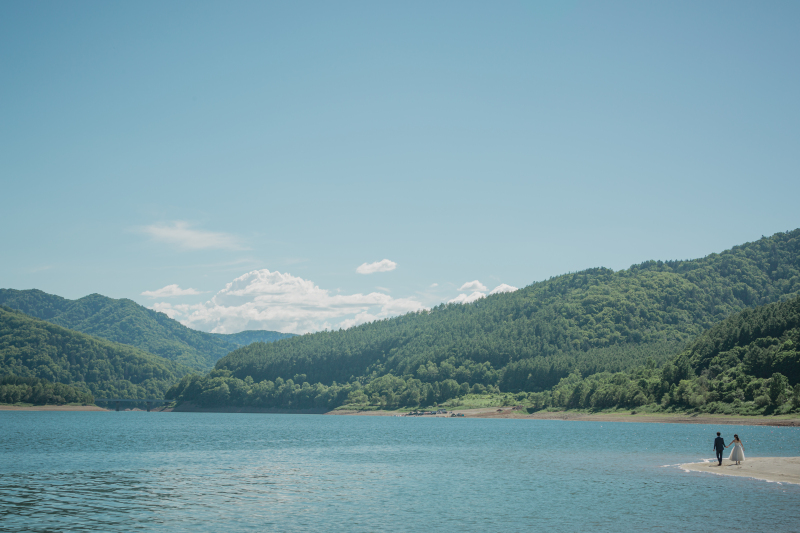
(213, 472)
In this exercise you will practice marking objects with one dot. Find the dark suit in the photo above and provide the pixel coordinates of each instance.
(719, 446)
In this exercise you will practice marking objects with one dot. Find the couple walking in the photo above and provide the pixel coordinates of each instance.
(738, 449)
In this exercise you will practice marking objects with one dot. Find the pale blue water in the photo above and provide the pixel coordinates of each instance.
(93, 471)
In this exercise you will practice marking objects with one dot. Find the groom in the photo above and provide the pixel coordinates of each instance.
(719, 445)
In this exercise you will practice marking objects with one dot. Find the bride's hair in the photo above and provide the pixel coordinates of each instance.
(735, 436)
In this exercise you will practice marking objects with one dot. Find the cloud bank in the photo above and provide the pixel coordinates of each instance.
(170, 291)
(503, 288)
(477, 292)
(281, 302)
(182, 235)
(466, 298)
(377, 266)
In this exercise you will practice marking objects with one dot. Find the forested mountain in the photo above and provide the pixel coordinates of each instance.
(127, 322)
(33, 348)
(747, 364)
(545, 326)
(526, 341)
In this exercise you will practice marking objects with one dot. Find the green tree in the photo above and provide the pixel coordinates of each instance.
(777, 386)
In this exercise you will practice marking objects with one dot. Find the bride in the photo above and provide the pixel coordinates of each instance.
(738, 450)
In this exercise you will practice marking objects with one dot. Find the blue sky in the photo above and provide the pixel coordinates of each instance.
(151, 144)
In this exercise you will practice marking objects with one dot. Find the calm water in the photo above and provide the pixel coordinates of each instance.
(236, 472)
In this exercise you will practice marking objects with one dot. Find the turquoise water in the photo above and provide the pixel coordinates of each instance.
(126, 471)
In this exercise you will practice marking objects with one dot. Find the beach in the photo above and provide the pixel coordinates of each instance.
(571, 416)
(484, 412)
(777, 469)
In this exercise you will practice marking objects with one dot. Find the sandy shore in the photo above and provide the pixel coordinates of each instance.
(486, 412)
(509, 412)
(51, 408)
(668, 418)
(780, 469)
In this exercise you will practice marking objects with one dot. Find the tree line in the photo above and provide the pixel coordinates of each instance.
(15, 389)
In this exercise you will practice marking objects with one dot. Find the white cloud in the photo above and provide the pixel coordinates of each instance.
(466, 298)
(279, 301)
(180, 233)
(473, 286)
(475, 289)
(175, 311)
(503, 288)
(434, 285)
(170, 291)
(377, 266)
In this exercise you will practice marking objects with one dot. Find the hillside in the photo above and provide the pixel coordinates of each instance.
(593, 321)
(746, 364)
(33, 348)
(126, 322)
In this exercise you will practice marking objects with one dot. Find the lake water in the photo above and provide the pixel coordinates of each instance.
(109, 471)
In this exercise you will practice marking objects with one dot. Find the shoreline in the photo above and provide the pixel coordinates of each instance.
(568, 416)
(484, 412)
(52, 408)
(772, 469)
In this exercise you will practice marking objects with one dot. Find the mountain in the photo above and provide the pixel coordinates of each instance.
(592, 321)
(33, 348)
(127, 322)
(747, 364)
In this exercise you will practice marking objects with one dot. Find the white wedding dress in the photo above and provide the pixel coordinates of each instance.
(737, 454)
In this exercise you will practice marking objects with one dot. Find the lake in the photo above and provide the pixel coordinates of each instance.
(126, 471)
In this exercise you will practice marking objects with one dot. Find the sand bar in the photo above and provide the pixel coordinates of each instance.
(780, 469)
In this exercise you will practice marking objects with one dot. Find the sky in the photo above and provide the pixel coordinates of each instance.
(297, 166)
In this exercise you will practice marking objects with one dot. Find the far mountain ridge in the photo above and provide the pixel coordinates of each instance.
(124, 321)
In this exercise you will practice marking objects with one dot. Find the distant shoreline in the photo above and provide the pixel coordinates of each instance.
(484, 412)
(570, 416)
(51, 408)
